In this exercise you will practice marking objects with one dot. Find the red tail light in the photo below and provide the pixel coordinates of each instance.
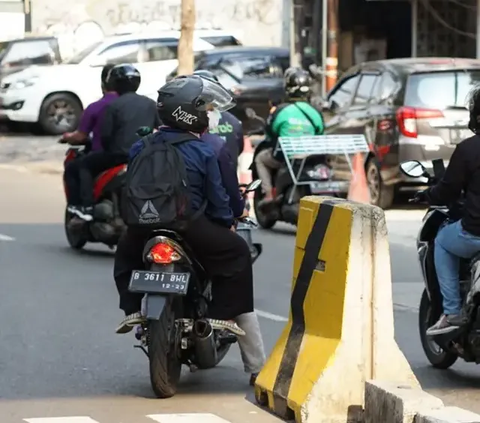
(407, 119)
(163, 254)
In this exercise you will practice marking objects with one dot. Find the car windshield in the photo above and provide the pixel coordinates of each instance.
(441, 90)
(78, 58)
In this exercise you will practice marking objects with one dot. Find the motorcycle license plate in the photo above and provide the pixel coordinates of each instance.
(148, 281)
(330, 186)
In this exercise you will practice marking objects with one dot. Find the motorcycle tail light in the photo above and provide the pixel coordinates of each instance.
(163, 254)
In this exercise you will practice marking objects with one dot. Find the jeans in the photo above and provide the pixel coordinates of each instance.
(451, 244)
(265, 164)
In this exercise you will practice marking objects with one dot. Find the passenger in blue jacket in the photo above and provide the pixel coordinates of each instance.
(186, 105)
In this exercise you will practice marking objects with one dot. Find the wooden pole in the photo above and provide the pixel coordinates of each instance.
(185, 44)
(332, 49)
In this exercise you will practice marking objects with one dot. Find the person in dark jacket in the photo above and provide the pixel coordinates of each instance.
(185, 105)
(460, 239)
(121, 119)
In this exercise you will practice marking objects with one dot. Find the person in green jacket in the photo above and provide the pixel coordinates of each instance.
(294, 118)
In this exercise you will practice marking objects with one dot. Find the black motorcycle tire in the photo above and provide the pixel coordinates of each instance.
(444, 359)
(75, 239)
(165, 364)
(263, 220)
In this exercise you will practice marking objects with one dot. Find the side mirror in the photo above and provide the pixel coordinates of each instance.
(413, 169)
(250, 113)
(98, 62)
(252, 186)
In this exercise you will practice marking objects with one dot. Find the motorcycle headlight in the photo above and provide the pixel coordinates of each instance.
(320, 171)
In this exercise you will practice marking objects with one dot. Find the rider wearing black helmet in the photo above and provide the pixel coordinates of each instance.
(294, 118)
(121, 119)
(185, 105)
(459, 239)
(226, 125)
(90, 123)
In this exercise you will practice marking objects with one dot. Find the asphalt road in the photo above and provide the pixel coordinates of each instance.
(60, 357)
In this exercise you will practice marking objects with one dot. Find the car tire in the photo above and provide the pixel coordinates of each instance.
(60, 113)
(381, 195)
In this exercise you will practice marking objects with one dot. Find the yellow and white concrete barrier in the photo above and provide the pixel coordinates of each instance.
(340, 330)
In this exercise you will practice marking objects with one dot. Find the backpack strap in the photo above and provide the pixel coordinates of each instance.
(183, 137)
(317, 129)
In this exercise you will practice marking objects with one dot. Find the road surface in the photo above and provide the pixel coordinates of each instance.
(60, 357)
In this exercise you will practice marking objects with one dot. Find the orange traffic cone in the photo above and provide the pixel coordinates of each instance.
(244, 162)
(358, 190)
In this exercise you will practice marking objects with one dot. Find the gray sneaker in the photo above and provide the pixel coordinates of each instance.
(129, 322)
(446, 324)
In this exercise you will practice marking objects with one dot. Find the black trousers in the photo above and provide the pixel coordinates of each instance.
(81, 173)
(224, 254)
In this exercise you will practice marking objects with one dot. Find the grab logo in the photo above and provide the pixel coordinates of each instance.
(183, 116)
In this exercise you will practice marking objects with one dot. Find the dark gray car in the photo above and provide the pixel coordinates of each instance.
(408, 109)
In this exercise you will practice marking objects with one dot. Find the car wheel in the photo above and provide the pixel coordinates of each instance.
(60, 113)
(381, 195)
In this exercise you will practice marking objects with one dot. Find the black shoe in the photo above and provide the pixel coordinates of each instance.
(253, 379)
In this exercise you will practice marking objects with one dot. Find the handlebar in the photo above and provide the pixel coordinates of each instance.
(248, 221)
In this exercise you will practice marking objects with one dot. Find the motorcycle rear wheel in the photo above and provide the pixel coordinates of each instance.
(165, 364)
(435, 354)
(76, 239)
(263, 219)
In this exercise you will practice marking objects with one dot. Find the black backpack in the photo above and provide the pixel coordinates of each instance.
(156, 193)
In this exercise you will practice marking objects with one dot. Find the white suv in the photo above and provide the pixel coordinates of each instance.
(55, 96)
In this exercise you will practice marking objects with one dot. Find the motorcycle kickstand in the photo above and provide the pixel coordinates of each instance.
(141, 347)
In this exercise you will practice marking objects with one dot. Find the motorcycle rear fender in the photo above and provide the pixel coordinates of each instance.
(153, 305)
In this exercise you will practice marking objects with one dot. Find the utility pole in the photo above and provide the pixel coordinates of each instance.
(332, 41)
(185, 44)
(294, 42)
(27, 11)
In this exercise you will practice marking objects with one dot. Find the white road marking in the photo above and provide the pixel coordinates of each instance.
(79, 419)
(6, 238)
(187, 418)
(271, 316)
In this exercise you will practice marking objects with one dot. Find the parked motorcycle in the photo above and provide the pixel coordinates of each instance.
(177, 293)
(107, 225)
(287, 194)
(443, 350)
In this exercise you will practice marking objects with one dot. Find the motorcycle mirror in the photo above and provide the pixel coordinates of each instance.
(250, 113)
(412, 168)
(252, 186)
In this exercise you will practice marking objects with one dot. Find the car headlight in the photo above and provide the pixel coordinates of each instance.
(23, 83)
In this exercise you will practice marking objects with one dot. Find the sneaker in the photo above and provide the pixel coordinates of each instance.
(446, 324)
(85, 213)
(130, 322)
(227, 325)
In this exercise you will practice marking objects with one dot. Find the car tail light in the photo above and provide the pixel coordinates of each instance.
(163, 254)
(407, 119)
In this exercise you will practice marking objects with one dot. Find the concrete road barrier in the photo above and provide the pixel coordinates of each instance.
(389, 402)
(340, 330)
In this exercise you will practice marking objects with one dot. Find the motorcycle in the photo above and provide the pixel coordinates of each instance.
(107, 225)
(176, 294)
(443, 350)
(287, 194)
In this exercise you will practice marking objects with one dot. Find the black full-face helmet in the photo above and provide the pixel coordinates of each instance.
(297, 83)
(183, 102)
(124, 78)
(474, 108)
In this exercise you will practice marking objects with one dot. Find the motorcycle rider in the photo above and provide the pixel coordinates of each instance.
(223, 253)
(460, 239)
(90, 123)
(121, 119)
(295, 118)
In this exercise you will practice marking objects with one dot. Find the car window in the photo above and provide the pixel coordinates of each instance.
(82, 54)
(385, 87)
(224, 78)
(125, 52)
(365, 89)
(441, 90)
(161, 49)
(252, 67)
(29, 53)
(222, 40)
(342, 95)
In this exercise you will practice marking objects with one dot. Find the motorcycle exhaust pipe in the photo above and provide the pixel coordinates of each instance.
(205, 345)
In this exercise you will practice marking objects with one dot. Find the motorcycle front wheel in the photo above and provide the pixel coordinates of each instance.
(435, 354)
(163, 352)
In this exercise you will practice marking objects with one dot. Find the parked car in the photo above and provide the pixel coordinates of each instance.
(55, 96)
(408, 109)
(253, 74)
(21, 53)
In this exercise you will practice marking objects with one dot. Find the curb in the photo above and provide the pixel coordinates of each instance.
(391, 402)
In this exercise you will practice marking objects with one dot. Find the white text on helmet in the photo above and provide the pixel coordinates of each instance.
(182, 116)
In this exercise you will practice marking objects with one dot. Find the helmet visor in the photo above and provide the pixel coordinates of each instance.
(214, 97)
